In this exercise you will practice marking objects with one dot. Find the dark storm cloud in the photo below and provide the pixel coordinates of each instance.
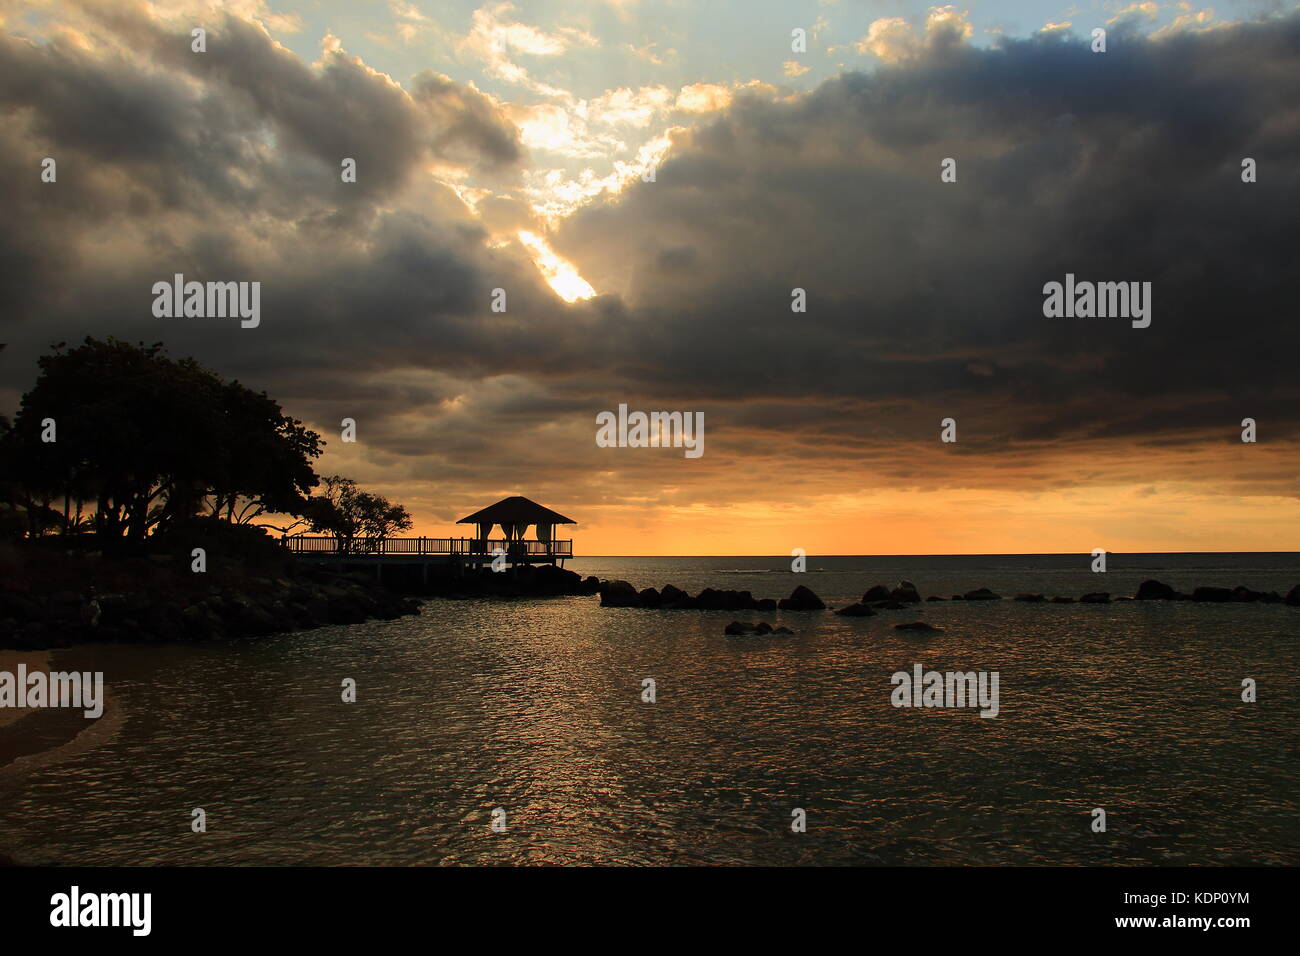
(1120, 166)
(924, 298)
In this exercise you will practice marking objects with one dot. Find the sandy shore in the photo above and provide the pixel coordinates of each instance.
(36, 737)
(9, 661)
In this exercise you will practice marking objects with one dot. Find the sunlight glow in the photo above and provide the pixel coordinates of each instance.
(561, 275)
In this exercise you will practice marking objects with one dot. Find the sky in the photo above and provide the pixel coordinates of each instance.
(648, 182)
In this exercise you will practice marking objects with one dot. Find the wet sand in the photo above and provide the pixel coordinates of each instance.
(32, 737)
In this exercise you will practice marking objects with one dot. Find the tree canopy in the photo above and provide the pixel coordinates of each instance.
(148, 440)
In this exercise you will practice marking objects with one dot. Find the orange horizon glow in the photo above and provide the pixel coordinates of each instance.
(932, 523)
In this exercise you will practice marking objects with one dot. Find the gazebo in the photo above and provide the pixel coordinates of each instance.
(514, 515)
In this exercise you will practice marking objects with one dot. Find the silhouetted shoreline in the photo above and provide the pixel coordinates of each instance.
(619, 593)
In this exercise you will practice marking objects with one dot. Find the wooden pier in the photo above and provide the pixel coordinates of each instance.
(457, 550)
(450, 555)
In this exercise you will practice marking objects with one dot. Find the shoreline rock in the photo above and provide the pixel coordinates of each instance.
(760, 629)
(880, 597)
(855, 610)
(801, 599)
(60, 600)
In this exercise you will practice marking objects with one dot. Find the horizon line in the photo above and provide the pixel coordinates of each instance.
(960, 554)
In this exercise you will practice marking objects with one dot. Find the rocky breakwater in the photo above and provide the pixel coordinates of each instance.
(879, 597)
(669, 597)
(904, 595)
(189, 610)
(1152, 590)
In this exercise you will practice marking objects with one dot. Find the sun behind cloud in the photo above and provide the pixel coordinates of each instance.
(558, 272)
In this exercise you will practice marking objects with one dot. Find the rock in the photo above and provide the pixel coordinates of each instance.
(318, 609)
(649, 598)
(982, 594)
(1096, 597)
(618, 594)
(935, 597)
(19, 607)
(782, 630)
(855, 610)
(673, 597)
(714, 600)
(1029, 598)
(737, 627)
(1152, 590)
(920, 626)
(762, 627)
(1293, 596)
(1062, 600)
(959, 597)
(1241, 593)
(801, 599)
(342, 610)
(890, 606)
(907, 595)
(875, 593)
(765, 604)
(552, 579)
(1212, 594)
(710, 600)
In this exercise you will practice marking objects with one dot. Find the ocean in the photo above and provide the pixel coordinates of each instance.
(535, 707)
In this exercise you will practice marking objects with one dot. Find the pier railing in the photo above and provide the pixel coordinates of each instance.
(481, 547)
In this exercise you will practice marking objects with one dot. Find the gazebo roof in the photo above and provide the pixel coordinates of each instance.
(516, 510)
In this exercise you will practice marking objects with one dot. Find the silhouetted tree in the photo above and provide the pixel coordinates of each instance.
(343, 509)
(149, 439)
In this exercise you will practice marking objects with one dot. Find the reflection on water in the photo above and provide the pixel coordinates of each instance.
(535, 707)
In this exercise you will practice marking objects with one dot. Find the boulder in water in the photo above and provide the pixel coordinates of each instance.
(649, 598)
(1216, 595)
(919, 626)
(906, 593)
(1029, 598)
(1293, 596)
(1096, 597)
(1152, 590)
(673, 597)
(877, 592)
(855, 610)
(801, 599)
(618, 594)
(982, 594)
(1241, 593)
